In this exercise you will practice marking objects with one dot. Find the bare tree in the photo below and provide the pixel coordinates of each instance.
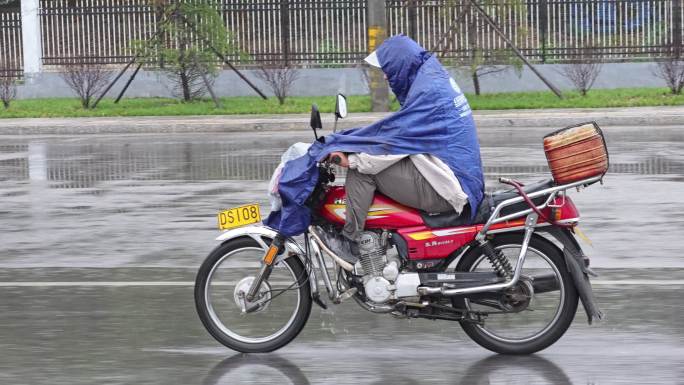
(86, 80)
(480, 62)
(8, 85)
(187, 75)
(477, 71)
(672, 71)
(478, 65)
(280, 78)
(582, 73)
(187, 43)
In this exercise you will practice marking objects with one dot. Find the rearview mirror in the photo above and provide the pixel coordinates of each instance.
(315, 121)
(315, 117)
(341, 106)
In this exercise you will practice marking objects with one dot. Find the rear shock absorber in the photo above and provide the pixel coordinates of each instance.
(500, 263)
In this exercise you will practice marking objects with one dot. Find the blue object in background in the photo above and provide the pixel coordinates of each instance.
(606, 18)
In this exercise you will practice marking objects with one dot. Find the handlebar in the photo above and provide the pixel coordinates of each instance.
(505, 180)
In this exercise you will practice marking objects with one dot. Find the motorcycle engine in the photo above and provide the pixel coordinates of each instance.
(379, 273)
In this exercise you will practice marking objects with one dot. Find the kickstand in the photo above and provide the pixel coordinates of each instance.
(317, 299)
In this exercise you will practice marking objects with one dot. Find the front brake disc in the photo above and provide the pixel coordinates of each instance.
(263, 296)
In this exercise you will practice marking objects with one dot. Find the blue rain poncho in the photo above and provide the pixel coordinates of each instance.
(434, 118)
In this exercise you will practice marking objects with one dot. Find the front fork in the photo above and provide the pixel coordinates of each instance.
(273, 250)
(267, 262)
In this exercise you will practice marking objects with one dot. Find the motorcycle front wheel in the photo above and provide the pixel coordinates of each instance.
(283, 299)
(533, 320)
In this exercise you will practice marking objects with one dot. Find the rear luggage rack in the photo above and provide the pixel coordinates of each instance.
(552, 193)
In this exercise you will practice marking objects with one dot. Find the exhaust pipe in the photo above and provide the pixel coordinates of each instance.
(341, 262)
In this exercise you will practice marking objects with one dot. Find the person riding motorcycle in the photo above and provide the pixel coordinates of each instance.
(426, 155)
(478, 269)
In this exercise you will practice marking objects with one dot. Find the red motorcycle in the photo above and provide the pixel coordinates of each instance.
(511, 278)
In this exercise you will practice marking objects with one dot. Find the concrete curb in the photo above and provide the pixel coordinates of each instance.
(642, 116)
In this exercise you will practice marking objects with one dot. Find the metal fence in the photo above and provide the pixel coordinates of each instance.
(101, 31)
(11, 58)
(319, 32)
(333, 32)
(545, 30)
(455, 29)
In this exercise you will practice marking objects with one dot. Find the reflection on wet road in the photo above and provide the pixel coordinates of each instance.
(85, 163)
(151, 335)
(105, 233)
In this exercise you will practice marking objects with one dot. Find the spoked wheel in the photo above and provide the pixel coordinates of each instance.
(283, 301)
(531, 315)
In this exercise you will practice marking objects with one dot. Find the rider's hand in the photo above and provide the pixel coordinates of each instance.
(344, 161)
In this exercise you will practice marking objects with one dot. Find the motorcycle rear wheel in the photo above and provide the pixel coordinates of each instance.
(558, 307)
(217, 304)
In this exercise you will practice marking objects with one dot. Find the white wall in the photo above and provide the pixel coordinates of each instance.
(350, 81)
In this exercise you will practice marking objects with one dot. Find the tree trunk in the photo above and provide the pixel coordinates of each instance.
(476, 83)
(474, 65)
(183, 69)
(185, 84)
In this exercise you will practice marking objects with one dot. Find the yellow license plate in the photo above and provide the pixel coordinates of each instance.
(239, 216)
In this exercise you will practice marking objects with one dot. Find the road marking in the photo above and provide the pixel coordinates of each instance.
(648, 282)
(623, 282)
(97, 284)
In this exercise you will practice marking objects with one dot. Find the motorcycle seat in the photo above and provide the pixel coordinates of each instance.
(487, 206)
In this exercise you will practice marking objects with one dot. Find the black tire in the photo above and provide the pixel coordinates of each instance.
(302, 313)
(555, 331)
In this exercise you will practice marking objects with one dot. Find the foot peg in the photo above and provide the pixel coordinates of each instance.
(345, 296)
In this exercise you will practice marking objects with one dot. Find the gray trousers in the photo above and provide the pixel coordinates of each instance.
(401, 181)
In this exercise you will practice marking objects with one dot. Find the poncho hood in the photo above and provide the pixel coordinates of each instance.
(434, 118)
(401, 58)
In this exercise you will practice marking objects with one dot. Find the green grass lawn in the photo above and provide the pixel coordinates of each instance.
(43, 108)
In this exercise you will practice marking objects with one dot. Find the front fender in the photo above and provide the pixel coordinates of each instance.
(258, 232)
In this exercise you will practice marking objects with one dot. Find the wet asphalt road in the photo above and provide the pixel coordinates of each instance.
(100, 237)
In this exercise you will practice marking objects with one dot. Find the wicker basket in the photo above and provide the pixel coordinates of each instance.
(577, 152)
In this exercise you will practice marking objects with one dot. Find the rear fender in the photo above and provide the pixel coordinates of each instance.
(578, 266)
(258, 233)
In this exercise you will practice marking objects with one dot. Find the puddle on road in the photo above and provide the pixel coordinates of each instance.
(68, 165)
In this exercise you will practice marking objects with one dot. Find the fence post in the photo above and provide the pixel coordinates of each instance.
(377, 33)
(676, 28)
(412, 15)
(159, 16)
(30, 31)
(543, 27)
(285, 30)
